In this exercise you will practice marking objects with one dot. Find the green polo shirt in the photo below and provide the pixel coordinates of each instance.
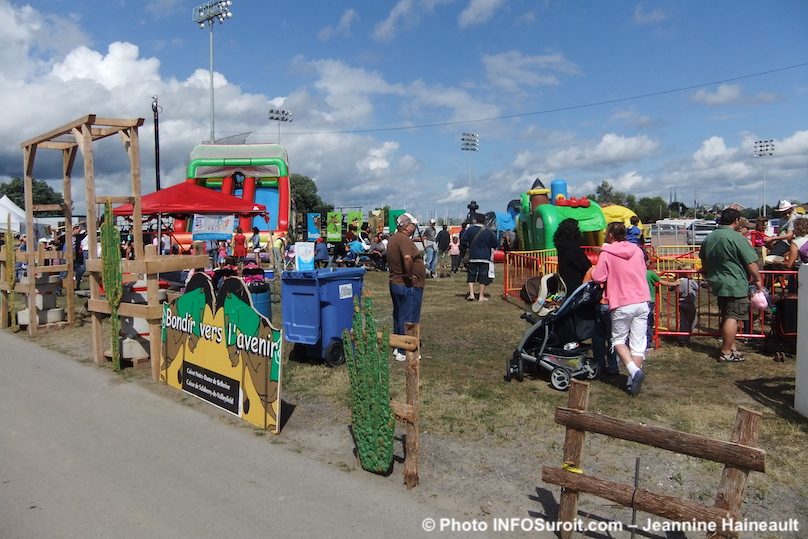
(724, 257)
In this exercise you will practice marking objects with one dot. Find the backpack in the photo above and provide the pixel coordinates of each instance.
(804, 253)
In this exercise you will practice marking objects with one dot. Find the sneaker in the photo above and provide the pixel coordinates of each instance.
(636, 382)
(731, 357)
(399, 355)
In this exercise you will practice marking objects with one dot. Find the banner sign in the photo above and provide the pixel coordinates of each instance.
(354, 218)
(313, 226)
(213, 227)
(304, 255)
(392, 217)
(376, 221)
(333, 227)
(218, 348)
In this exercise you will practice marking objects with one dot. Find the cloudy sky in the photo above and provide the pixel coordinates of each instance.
(651, 96)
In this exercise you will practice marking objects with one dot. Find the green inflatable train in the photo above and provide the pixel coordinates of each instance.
(542, 210)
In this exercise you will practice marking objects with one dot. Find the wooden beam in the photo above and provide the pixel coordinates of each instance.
(694, 445)
(643, 500)
(48, 207)
(56, 145)
(101, 199)
(403, 412)
(407, 343)
(119, 122)
(57, 268)
(63, 130)
(136, 310)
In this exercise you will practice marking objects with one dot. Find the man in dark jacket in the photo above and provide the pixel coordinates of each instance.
(443, 240)
(480, 243)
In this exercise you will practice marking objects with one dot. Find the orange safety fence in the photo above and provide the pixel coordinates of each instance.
(701, 319)
(519, 266)
(672, 263)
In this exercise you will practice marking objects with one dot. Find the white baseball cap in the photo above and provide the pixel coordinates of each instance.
(406, 219)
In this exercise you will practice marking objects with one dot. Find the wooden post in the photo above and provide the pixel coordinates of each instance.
(68, 159)
(155, 342)
(84, 139)
(4, 293)
(29, 153)
(573, 446)
(733, 479)
(413, 380)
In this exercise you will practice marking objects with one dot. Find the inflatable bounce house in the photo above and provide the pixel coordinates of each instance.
(541, 210)
(254, 172)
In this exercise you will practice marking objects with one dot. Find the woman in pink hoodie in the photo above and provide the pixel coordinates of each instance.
(622, 264)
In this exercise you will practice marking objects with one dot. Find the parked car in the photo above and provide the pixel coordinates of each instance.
(698, 230)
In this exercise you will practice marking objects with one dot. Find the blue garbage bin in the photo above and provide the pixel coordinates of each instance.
(261, 298)
(317, 305)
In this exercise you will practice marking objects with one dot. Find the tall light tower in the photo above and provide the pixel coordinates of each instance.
(762, 148)
(469, 142)
(206, 15)
(280, 116)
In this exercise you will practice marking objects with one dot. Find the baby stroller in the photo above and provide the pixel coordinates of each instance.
(554, 341)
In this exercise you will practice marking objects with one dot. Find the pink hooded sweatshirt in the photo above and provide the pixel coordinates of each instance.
(622, 264)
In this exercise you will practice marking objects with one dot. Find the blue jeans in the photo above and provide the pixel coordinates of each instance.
(602, 349)
(406, 306)
(430, 259)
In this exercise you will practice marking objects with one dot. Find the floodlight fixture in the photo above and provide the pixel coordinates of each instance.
(762, 148)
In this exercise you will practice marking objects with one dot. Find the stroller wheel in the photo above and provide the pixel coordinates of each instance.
(592, 370)
(560, 379)
(514, 368)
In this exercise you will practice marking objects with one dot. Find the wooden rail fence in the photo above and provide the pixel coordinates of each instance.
(739, 455)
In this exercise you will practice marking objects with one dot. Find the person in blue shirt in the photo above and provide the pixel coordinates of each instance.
(634, 232)
(321, 258)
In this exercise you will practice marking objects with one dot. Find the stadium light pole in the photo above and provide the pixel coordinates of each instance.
(280, 115)
(469, 142)
(762, 148)
(206, 15)
(156, 108)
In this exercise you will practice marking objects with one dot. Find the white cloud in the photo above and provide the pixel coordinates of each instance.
(712, 151)
(610, 150)
(643, 17)
(405, 15)
(342, 28)
(377, 160)
(513, 71)
(725, 94)
(478, 12)
(632, 118)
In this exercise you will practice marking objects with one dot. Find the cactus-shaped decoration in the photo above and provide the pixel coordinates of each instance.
(11, 275)
(373, 420)
(111, 258)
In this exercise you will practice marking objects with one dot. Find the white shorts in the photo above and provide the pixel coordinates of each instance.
(629, 323)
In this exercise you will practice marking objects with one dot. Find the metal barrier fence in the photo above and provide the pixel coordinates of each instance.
(519, 266)
(677, 318)
(676, 257)
(673, 317)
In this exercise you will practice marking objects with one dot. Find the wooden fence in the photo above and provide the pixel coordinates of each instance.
(408, 411)
(739, 455)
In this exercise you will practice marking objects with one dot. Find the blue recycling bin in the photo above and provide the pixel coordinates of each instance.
(261, 298)
(317, 306)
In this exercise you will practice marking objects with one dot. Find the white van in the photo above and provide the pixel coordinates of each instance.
(698, 230)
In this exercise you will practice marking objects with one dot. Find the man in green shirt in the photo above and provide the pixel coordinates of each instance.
(729, 261)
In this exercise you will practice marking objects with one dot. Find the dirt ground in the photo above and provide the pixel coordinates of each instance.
(484, 441)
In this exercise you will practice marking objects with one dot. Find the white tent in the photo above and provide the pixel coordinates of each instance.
(17, 214)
